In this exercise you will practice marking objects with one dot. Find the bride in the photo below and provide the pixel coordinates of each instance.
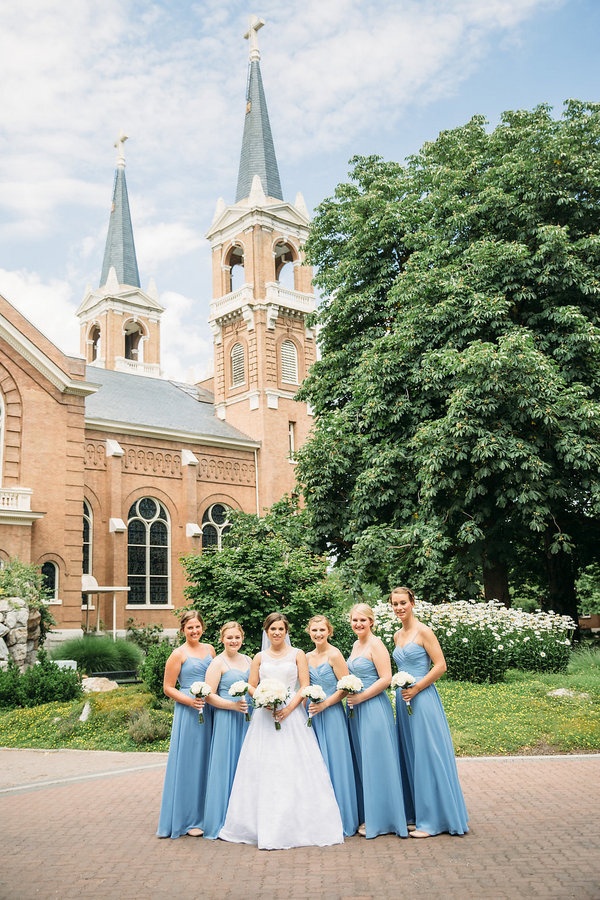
(302, 811)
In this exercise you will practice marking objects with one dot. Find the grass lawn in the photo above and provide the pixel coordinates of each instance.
(517, 716)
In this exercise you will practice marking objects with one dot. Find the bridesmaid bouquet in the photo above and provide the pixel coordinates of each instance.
(314, 693)
(200, 689)
(239, 689)
(270, 694)
(404, 680)
(352, 685)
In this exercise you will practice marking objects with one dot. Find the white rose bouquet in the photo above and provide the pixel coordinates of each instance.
(404, 680)
(314, 693)
(239, 689)
(352, 685)
(270, 694)
(200, 689)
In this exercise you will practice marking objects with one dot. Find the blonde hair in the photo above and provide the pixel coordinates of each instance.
(229, 625)
(320, 618)
(404, 590)
(187, 616)
(365, 609)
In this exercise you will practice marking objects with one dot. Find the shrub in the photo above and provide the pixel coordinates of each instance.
(46, 682)
(482, 640)
(146, 726)
(9, 685)
(99, 653)
(145, 636)
(153, 668)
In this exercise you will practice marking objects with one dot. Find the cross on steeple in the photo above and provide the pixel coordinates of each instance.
(255, 25)
(119, 144)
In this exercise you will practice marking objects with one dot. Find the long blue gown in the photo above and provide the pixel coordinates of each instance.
(426, 746)
(374, 742)
(182, 805)
(229, 731)
(331, 730)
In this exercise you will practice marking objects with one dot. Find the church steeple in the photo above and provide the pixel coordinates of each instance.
(119, 252)
(258, 151)
(120, 323)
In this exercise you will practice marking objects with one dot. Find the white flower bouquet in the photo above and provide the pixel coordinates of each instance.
(240, 689)
(352, 685)
(200, 689)
(314, 693)
(404, 680)
(270, 694)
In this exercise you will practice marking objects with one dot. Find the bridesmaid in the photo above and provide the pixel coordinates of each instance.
(425, 741)
(182, 806)
(373, 733)
(326, 666)
(229, 725)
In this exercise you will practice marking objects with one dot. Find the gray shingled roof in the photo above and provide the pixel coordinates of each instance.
(163, 406)
(120, 249)
(258, 151)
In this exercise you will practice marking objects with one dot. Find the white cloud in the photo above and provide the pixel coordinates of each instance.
(49, 306)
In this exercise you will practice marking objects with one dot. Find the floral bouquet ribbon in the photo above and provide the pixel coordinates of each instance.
(240, 689)
(314, 693)
(200, 689)
(352, 685)
(270, 694)
(404, 680)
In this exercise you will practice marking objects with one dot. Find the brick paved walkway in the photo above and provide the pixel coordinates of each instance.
(76, 824)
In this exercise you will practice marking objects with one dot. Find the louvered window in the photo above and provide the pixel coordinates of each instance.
(238, 372)
(289, 363)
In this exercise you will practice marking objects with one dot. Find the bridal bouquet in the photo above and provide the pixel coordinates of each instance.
(404, 680)
(352, 685)
(239, 689)
(314, 693)
(271, 693)
(200, 689)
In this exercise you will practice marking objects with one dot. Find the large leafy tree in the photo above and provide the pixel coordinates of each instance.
(457, 398)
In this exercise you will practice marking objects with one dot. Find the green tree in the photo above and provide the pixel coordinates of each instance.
(266, 565)
(457, 394)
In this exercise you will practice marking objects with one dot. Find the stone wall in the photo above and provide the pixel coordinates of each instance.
(19, 632)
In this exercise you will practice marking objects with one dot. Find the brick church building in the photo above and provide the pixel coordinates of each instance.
(111, 471)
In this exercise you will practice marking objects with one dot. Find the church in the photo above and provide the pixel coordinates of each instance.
(111, 473)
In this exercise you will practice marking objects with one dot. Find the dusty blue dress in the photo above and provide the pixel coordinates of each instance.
(428, 754)
(376, 754)
(331, 731)
(182, 805)
(229, 731)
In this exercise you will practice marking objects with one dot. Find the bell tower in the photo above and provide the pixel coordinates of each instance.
(120, 323)
(262, 297)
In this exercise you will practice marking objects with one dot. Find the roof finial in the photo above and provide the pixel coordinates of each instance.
(255, 25)
(120, 151)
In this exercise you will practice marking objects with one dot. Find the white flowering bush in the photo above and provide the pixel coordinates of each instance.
(482, 640)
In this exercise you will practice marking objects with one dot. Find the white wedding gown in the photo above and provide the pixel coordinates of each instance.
(282, 795)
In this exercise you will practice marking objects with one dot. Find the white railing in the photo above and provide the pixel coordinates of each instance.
(136, 368)
(289, 298)
(230, 302)
(16, 498)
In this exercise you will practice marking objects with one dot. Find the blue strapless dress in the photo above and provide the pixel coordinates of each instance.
(182, 805)
(331, 730)
(229, 731)
(374, 742)
(427, 751)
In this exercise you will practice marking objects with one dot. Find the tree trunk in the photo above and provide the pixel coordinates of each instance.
(495, 581)
(561, 583)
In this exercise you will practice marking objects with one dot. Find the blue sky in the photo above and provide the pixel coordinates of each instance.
(341, 77)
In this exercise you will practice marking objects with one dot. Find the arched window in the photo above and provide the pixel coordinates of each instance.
(87, 538)
(238, 367)
(134, 344)
(94, 352)
(50, 580)
(214, 525)
(148, 540)
(284, 264)
(235, 263)
(289, 362)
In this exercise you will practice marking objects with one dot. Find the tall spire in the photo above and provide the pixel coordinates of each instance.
(120, 249)
(258, 151)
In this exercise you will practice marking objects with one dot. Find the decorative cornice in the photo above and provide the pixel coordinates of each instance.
(117, 427)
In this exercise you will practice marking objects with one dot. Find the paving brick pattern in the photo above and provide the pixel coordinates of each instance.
(76, 824)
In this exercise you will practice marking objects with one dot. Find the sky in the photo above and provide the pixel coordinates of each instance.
(341, 77)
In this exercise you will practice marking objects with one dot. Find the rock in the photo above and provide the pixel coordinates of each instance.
(565, 692)
(91, 685)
